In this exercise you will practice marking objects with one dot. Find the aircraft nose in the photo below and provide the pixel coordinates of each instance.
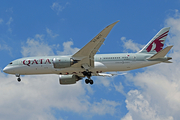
(5, 70)
(9, 69)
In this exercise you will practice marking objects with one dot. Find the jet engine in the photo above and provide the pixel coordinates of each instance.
(63, 62)
(68, 79)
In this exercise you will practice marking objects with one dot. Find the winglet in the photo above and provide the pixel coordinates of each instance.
(112, 25)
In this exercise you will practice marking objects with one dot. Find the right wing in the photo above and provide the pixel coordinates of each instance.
(85, 56)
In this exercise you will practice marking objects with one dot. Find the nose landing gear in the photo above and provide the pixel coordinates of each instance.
(18, 77)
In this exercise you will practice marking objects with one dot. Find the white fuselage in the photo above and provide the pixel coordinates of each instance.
(102, 63)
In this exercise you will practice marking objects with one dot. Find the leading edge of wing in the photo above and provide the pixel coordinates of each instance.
(94, 44)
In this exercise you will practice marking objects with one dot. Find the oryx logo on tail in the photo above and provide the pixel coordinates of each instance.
(158, 43)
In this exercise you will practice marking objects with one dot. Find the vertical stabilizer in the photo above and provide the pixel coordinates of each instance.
(157, 42)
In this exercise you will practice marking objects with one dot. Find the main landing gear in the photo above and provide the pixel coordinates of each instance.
(18, 77)
(89, 81)
(88, 74)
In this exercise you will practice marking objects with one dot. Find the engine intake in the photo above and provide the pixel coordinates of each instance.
(68, 79)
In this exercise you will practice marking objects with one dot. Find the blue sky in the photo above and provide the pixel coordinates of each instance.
(55, 27)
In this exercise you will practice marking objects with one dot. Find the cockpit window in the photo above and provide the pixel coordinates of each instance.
(10, 63)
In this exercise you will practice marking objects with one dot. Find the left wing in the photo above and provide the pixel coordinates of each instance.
(108, 74)
(85, 56)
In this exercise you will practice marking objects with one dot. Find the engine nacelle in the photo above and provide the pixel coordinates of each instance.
(68, 79)
(63, 62)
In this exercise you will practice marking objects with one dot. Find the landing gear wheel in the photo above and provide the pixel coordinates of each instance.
(19, 79)
(87, 81)
(91, 82)
(88, 74)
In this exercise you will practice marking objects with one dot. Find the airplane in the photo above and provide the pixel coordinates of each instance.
(86, 63)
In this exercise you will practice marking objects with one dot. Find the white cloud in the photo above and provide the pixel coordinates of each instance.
(57, 7)
(10, 21)
(5, 47)
(129, 44)
(173, 22)
(10, 10)
(1, 20)
(9, 24)
(68, 50)
(36, 97)
(127, 117)
(120, 88)
(160, 94)
(35, 47)
(105, 81)
(140, 108)
(104, 107)
(50, 33)
(39, 37)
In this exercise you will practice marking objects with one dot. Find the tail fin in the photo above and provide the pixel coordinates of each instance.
(157, 42)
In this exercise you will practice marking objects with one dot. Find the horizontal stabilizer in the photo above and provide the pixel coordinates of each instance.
(168, 61)
(161, 53)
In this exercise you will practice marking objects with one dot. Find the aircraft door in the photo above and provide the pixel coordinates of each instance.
(100, 58)
(134, 57)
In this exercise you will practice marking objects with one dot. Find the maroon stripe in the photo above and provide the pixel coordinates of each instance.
(163, 35)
